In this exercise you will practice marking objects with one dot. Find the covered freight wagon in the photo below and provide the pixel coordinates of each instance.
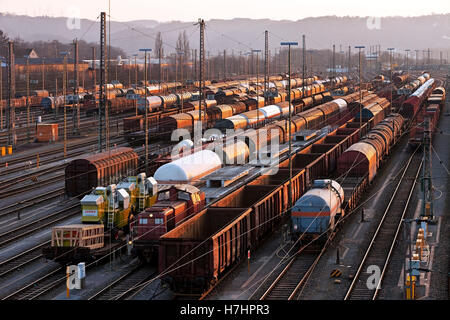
(101, 169)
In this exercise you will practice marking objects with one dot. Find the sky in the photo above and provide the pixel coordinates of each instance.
(170, 10)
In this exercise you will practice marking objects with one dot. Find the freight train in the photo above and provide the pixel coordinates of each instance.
(431, 112)
(218, 114)
(316, 213)
(184, 170)
(412, 105)
(194, 255)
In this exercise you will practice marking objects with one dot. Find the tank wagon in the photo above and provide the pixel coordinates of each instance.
(317, 210)
(50, 103)
(87, 172)
(412, 86)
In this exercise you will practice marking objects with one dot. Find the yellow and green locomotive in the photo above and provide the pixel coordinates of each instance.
(106, 216)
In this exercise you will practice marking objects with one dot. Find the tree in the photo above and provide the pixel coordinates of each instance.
(186, 48)
(159, 46)
(3, 44)
(180, 45)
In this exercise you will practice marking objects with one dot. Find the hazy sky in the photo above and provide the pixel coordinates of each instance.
(190, 10)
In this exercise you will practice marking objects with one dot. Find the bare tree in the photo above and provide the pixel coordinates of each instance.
(3, 44)
(159, 46)
(180, 46)
(186, 48)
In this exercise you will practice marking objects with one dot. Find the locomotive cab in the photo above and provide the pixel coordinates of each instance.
(174, 205)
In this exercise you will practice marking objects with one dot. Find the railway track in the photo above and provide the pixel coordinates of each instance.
(37, 185)
(40, 286)
(287, 284)
(39, 224)
(127, 285)
(55, 154)
(48, 282)
(385, 237)
(89, 124)
(30, 202)
(22, 259)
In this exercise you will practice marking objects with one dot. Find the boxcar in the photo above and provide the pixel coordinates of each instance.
(101, 169)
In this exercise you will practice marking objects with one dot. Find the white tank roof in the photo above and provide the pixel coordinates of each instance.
(323, 198)
(189, 168)
(341, 103)
(271, 111)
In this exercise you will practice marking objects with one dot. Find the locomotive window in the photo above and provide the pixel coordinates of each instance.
(143, 221)
(184, 196)
(159, 220)
(164, 196)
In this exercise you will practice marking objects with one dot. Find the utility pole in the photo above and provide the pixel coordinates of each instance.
(181, 78)
(176, 71)
(10, 110)
(107, 77)
(201, 22)
(360, 92)
(56, 94)
(290, 116)
(43, 73)
(95, 73)
(28, 99)
(349, 61)
(427, 183)
(266, 66)
(407, 59)
(417, 57)
(210, 68)
(76, 111)
(1, 97)
(159, 72)
(334, 64)
(129, 72)
(135, 84)
(390, 68)
(146, 108)
(224, 64)
(102, 97)
(64, 105)
(304, 64)
(257, 81)
(195, 65)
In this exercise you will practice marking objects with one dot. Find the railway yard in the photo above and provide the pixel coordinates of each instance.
(278, 186)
